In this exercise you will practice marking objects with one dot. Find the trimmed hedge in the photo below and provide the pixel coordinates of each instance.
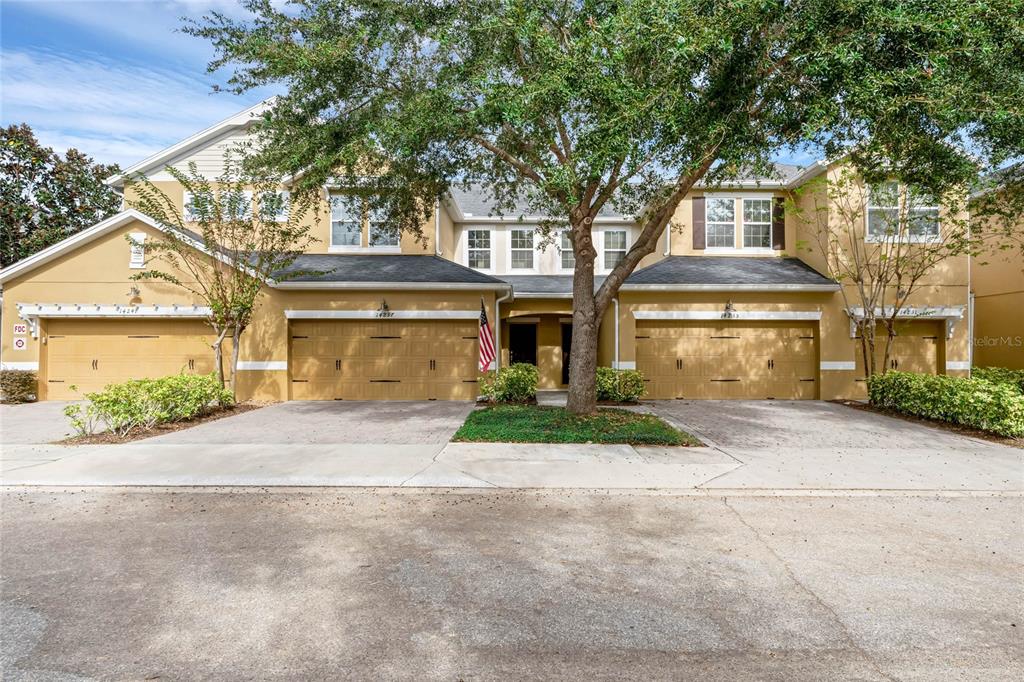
(513, 384)
(1000, 375)
(144, 403)
(18, 385)
(980, 404)
(619, 385)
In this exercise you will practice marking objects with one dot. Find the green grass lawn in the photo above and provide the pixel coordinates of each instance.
(536, 424)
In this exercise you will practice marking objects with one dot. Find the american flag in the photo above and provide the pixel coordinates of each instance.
(486, 341)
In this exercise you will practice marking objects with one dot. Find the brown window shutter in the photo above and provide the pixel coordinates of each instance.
(779, 224)
(699, 233)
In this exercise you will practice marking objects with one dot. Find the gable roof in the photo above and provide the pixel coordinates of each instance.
(76, 240)
(157, 161)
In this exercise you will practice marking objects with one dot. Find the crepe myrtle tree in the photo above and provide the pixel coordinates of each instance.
(235, 233)
(575, 105)
(880, 240)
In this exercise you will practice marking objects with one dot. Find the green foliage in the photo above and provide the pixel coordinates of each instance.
(18, 385)
(1000, 375)
(540, 424)
(144, 403)
(513, 384)
(977, 403)
(619, 386)
(44, 197)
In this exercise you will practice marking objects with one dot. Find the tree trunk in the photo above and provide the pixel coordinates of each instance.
(218, 356)
(586, 325)
(236, 337)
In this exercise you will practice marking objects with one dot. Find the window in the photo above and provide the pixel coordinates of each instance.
(896, 210)
(274, 206)
(478, 251)
(522, 250)
(346, 224)
(138, 250)
(567, 254)
(757, 223)
(382, 234)
(192, 209)
(614, 247)
(236, 205)
(720, 223)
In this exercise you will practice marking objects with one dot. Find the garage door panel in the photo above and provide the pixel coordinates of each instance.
(386, 360)
(727, 360)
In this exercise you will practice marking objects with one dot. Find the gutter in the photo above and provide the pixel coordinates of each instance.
(730, 287)
(420, 286)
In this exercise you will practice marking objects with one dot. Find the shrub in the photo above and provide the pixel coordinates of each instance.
(18, 385)
(1000, 375)
(619, 386)
(981, 404)
(513, 384)
(144, 403)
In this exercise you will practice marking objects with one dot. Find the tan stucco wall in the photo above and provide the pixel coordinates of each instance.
(998, 283)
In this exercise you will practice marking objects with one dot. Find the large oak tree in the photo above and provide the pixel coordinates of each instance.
(574, 105)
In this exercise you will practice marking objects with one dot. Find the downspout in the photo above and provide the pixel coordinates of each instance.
(668, 242)
(497, 328)
(970, 306)
(437, 227)
(615, 362)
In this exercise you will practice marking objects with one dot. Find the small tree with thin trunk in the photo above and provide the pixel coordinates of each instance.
(879, 241)
(235, 234)
(575, 106)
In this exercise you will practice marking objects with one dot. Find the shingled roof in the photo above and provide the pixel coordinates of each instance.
(741, 271)
(385, 268)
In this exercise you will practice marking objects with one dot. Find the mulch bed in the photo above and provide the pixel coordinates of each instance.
(107, 438)
(945, 426)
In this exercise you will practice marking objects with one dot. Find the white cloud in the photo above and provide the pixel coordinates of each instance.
(114, 111)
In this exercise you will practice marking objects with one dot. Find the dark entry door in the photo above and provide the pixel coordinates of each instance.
(522, 343)
(566, 350)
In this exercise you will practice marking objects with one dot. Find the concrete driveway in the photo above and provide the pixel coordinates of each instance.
(34, 423)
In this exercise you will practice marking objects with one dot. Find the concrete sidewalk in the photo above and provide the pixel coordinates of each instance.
(485, 465)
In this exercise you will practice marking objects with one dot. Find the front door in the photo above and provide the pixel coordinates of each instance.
(522, 343)
(566, 351)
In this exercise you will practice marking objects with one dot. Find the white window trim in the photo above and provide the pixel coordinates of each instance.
(743, 225)
(137, 247)
(342, 248)
(508, 251)
(604, 265)
(903, 235)
(558, 254)
(465, 250)
(287, 205)
(707, 223)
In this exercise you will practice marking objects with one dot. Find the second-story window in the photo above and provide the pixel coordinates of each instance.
(757, 223)
(478, 249)
(894, 210)
(381, 232)
(567, 255)
(346, 224)
(522, 249)
(274, 206)
(614, 247)
(720, 223)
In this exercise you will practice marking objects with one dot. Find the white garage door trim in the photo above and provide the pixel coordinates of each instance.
(734, 315)
(376, 314)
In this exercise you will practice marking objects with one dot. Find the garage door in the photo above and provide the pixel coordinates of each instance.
(384, 360)
(915, 348)
(89, 354)
(727, 360)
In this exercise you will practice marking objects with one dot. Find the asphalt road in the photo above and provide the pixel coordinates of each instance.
(358, 584)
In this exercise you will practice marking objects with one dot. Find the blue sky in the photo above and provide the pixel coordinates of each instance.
(114, 78)
(110, 77)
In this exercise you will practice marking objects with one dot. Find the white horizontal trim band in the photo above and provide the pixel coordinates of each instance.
(29, 366)
(838, 365)
(728, 287)
(719, 315)
(936, 313)
(401, 286)
(110, 310)
(258, 365)
(957, 364)
(374, 314)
